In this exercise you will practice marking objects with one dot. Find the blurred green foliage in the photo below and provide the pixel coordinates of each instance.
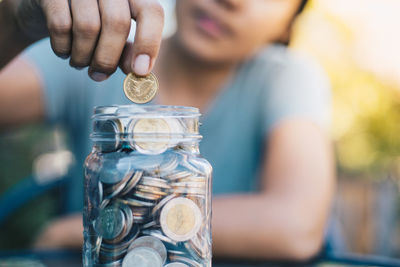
(18, 148)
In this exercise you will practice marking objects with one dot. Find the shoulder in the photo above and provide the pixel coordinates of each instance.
(291, 85)
(277, 62)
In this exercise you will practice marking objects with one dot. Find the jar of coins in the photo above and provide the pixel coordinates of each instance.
(147, 189)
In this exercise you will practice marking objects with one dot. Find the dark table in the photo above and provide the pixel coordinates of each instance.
(73, 258)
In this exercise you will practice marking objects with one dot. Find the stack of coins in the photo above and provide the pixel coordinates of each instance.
(150, 203)
(151, 214)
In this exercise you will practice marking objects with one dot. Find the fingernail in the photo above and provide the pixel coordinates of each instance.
(142, 65)
(98, 76)
(63, 56)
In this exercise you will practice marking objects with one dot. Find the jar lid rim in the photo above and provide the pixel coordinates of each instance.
(145, 110)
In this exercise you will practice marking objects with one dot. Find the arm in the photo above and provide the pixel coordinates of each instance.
(286, 219)
(11, 39)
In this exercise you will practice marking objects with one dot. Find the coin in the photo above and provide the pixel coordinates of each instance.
(155, 182)
(115, 189)
(180, 219)
(111, 129)
(182, 259)
(140, 89)
(198, 247)
(179, 174)
(151, 135)
(143, 257)
(149, 225)
(146, 196)
(151, 190)
(115, 167)
(110, 223)
(161, 204)
(132, 182)
(150, 242)
(136, 202)
(158, 234)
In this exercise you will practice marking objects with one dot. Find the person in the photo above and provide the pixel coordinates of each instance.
(266, 109)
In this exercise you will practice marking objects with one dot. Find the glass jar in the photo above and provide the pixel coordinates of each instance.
(147, 189)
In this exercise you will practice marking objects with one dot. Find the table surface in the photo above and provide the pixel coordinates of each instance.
(58, 258)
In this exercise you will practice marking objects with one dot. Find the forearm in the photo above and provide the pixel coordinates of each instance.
(264, 227)
(12, 41)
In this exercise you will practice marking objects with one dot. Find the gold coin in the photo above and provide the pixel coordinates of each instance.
(180, 219)
(157, 132)
(139, 89)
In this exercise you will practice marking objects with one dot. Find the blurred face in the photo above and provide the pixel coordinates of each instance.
(228, 31)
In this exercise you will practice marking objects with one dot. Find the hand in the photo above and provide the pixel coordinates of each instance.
(66, 232)
(94, 32)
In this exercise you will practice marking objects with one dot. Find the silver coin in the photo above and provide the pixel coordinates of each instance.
(189, 184)
(132, 182)
(143, 257)
(136, 202)
(128, 215)
(194, 179)
(147, 196)
(176, 252)
(115, 189)
(179, 174)
(150, 242)
(198, 247)
(170, 162)
(158, 234)
(141, 215)
(104, 203)
(112, 129)
(156, 182)
(115, 167)
(110, 223)
(124, 244)
(162, 203)
(100, 188)
(176, 264)
(111, 255)
(185, 260)
(149, 225)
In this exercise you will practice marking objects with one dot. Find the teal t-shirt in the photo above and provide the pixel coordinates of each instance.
(274, 85)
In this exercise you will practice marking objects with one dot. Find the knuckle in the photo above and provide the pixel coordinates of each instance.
(148, 46)
(59, 27)
(156, 8)
(106, 66)
(88, 28)
(117, 22)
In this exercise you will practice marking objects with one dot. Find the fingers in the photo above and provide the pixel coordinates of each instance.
(94, 33)
(86, 28)
(115, 21)
(149, 16)
(59, 23)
